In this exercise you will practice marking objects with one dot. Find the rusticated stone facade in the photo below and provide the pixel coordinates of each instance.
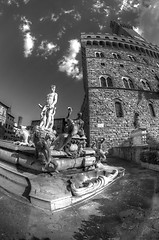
(121, 78)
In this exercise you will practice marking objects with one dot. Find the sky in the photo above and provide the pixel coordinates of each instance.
(40, 46)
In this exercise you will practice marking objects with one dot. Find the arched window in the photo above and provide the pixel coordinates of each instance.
(128, 83)
(152, 111)
(116, 56)
(132, 58)
(109, 82)
(101, 43)
(108, 44)
(114, 44)
(131, 84)
(145, 85)
(103, 82)
(157, 77)
(102, 55)
(118, 109)
(89, 43)
(106, 81)
(121, 45)
(99, 54)
(95, 43)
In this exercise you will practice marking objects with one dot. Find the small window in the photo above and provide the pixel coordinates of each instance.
(131, 84)
(157, 77)
(99, 54)
(95, 43)
(116, 56)
(109, 82)
(101, 43)
(145, 85)
(121, 65)
(89, 43)
(102, 64)
(125, 83)
(106, 81)
(128, 83)
(152, 111)
(118, 109)
(132, 58)
(103, 82)
(102, 55)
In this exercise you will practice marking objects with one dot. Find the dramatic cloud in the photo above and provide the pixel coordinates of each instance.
(52, 17)
(97, 5)
(28, 38)
(46, 49)
(149, 22)
(26, 1)
(61, 32)
(28, 44)
(69, 63)
(138, 30)
(127, 5)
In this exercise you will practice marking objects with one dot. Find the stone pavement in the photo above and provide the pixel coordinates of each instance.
(127, 209)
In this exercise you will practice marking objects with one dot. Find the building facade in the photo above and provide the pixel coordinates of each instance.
(3, 117)
(9, 127)
(121, 81)
(59, 124)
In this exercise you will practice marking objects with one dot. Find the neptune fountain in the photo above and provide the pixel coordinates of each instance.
(55, 171)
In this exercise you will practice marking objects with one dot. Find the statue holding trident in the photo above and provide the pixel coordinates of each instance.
(48, 111)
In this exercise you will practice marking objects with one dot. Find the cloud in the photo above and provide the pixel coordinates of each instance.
(69, 63)
(46, 49)
(127, 5)
(10, 2)
(149, 22)
(138, 30)
(52, 17)
(61, 32)
(28, 38)
(72, 12)
(97, 5)
(26, 1)
(28, 44)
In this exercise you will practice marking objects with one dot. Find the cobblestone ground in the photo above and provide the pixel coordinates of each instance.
(128, 209)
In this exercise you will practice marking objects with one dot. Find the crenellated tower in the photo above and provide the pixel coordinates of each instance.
(121, 79)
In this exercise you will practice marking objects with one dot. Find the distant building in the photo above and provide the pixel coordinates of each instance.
(35, 123)
(121, 81)
(3, 117)
(58, 124)
(9, 127)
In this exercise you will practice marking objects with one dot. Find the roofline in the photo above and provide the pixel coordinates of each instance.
(4, 105)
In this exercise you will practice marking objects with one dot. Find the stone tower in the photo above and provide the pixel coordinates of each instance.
(121, 81)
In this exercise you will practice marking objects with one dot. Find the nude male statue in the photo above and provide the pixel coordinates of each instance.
(49, 110)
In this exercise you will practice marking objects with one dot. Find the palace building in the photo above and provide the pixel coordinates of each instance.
(121, 81)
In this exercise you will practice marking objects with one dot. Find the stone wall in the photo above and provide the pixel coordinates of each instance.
(117, 130)
(119, 68)
(99, 105)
